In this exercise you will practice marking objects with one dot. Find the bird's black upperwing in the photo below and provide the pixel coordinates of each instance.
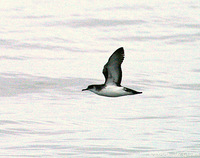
(112, 69)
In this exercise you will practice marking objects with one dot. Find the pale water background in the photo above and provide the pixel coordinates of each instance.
(50, 50)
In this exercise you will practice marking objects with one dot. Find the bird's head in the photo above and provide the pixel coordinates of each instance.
(89, 88)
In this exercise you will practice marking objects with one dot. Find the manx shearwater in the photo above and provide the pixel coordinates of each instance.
(113, 76)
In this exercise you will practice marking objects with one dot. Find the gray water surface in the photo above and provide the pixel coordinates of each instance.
(50, 50)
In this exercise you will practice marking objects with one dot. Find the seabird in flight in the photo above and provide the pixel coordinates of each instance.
(113, 76)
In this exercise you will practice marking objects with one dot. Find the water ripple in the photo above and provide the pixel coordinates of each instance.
(15, 84)
(91, 150)
(95, 23)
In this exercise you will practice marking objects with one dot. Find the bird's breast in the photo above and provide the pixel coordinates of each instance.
(112, 91)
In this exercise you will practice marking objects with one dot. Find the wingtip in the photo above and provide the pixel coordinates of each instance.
(120, 48)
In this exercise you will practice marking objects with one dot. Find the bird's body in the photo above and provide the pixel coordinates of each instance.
(113, 76)
(112, 91)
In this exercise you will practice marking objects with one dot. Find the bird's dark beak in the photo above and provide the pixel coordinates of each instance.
(84, 89)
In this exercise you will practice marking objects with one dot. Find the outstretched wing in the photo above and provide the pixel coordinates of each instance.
(112, 69)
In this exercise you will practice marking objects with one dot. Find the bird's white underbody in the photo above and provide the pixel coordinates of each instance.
(111, 91)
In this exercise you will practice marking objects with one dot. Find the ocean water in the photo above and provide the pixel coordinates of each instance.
(50, 50)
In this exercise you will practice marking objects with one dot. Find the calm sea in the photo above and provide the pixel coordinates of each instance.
(50, 50)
